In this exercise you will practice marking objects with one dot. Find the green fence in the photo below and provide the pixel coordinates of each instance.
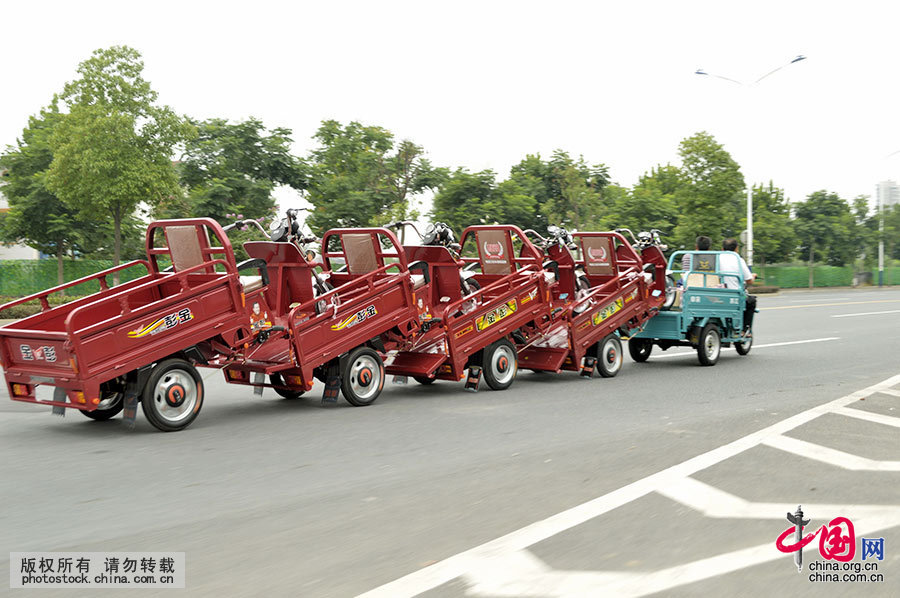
(19, 278)
(794, 277)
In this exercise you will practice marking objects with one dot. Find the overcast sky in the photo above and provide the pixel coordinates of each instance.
(480, 84)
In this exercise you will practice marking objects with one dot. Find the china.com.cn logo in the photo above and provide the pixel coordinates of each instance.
(837, 540)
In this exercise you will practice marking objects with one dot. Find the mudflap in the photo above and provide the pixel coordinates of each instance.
(402, 380)
(258, 380)
(59, 395)
(133, 389)
(588, 367)
(332, 385)
(473, 378)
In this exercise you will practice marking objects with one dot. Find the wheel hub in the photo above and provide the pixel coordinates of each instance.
(175, 395)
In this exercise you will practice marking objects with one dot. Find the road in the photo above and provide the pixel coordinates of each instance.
(670, 479)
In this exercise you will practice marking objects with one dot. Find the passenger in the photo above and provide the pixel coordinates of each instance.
(702, 244)
(733, 262)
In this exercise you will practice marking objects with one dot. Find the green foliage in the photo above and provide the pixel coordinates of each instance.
(773, 232)
(825, 225)
(357, 177)
(567, 191)
(710, 199)
(232, 169)
(37, 217)
(651, 204)
(112, 151)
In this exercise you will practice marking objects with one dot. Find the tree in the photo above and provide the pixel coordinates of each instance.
(568, 191)
(233, 169)
(358, 178)
(826, 230)
(710, 200)
(650, 204)
(467, 198)
(773, 232)
(37, 217)
(113, 150)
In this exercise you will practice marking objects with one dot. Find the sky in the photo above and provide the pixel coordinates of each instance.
(482, 84)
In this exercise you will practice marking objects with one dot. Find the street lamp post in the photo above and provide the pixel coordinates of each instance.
(749, 245)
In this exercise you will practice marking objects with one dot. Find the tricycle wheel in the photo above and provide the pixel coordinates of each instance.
(640, 348)
(173, 395)
(111, 403)
(362, 377)
(500, 364)
(423, 380)
(609, 356)
(710, 345)
(745, 345)
(276, 379)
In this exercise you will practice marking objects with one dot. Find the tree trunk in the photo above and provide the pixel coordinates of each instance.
(811, 245)
(117, 220)
(59, 266)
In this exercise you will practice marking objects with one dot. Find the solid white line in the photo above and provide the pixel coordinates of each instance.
(888, 391)
(868, 416)
(830, 456)
(867, 313)
(812, 340)
(452, 567)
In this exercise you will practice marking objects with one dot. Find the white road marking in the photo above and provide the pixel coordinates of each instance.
(869, 416)
(888, 391)
(868, 313)
(694, 353)
(477, 559)
(718, 504)
(830, 456)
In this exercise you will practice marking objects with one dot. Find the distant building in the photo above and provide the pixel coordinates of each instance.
(887, 194)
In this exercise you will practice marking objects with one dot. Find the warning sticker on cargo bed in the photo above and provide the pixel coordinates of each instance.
(162, 324)
(607, 311)
(495, 315)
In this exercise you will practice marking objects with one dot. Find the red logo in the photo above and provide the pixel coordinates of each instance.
(597, 254)
(493, 250)
(837, 540)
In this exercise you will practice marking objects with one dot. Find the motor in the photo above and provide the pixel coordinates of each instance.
(287, 230)
(440, 234)
(652, 241)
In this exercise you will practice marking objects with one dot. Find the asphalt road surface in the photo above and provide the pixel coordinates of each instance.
(670, 479)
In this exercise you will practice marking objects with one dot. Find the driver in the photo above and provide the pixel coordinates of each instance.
(733, 262)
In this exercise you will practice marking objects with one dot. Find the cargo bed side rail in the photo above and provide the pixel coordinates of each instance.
(99, 276)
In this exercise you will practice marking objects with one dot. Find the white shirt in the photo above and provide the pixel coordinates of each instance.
(731, 262)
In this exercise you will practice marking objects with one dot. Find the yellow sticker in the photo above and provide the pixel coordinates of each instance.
(607, 311)
(495, 315)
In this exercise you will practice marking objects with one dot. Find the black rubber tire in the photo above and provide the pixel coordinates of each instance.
(468, 286)
(287, 394)
(609, 356)
(109, 412)
(153, 404)
(709, 346)
(640, 349)
(500, 364)
(362, 377)
(423, 380)
(744, 347)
